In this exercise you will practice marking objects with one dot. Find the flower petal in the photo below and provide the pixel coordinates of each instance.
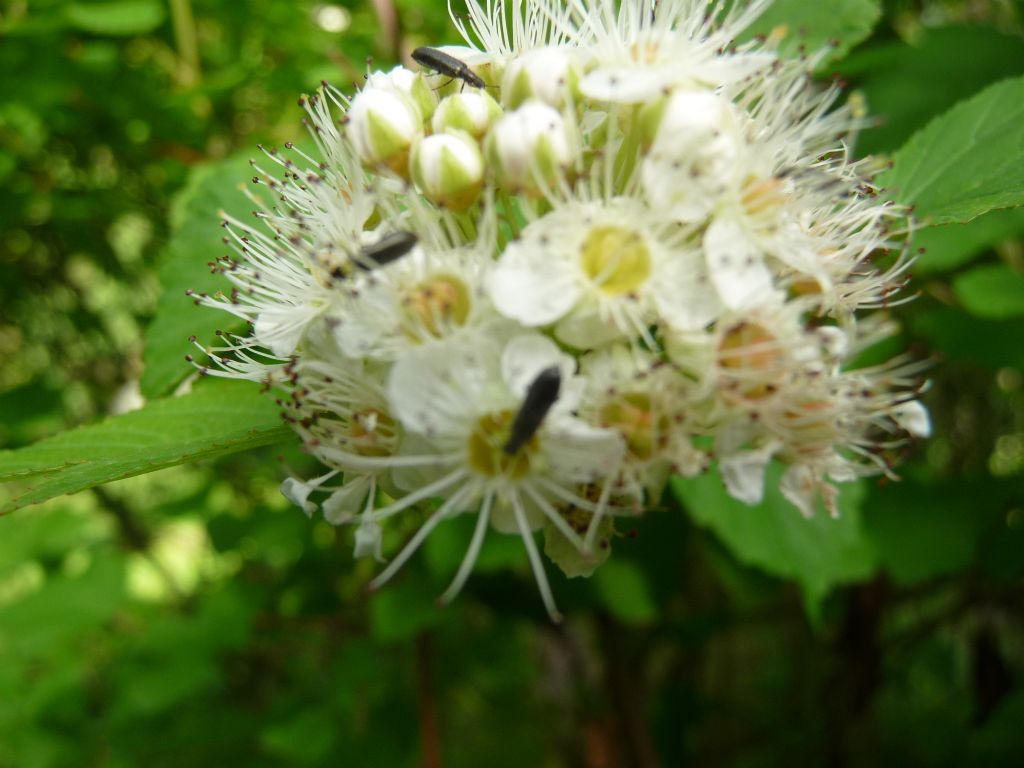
(437, 391)
(526, 356)
(297, 492)
(743, 472)
(684, 295)
(736, 267)
(346, 502)
(535, 291)
(914, 418)
(581, 453)
(800, 486)
(369, 540)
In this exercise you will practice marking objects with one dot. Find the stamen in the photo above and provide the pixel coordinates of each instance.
(475, 545)
(539, 574)
(418, 538)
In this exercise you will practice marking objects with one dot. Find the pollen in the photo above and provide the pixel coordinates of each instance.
(372, 432)
(438, 304)
(615, 260)
(751, 359)
(635, 417)
(644, 52)
(486, 449)
(763, 197)
(811, 426)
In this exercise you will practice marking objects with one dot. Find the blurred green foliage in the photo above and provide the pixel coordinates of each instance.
(192, 617)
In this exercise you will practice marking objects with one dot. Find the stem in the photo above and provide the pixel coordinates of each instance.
(391, 26)
(185, 40)
(625, 161)
(429, 735)
(627, 698)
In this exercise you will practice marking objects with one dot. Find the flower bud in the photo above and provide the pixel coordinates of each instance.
(448, 169)
(528, 146)
(405, 82)
(545, 74)
(383, 126)
(695, 152)
(471, 111)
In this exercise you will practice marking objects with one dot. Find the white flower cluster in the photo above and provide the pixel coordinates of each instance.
(533, 278)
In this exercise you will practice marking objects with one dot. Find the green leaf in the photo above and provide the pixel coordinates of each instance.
(921, 531)
(954, 245)
(894, 78)
(813, 25)
(403, 609)
(994, 291)
(65, 608)
(966, 162)
(215, 420)
(963, 338)
(819, 553)
(123, 17)
(195, 241)
(445, 548)
(622, 588)
(305, 738)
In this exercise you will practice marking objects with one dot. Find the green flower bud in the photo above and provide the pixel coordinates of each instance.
(544, 74)
(383, 126)
(472, 111)
(448, 169)
(529, 146)
(409, 84)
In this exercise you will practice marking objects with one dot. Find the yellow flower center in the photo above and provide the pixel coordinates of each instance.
(615, 259)
(437, 304)
(487, 447)
(634, 417)
(753, 358)
(763, 198)
(372, 432)
(812, 426)
(644, 52)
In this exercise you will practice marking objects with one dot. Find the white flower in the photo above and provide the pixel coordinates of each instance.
(434, 293)
(601, 272)
(645, 49)
(504, 27)
(737, 268)
(655, 410)
(695, 153)
(274, 290)
(461, 405)
(680, 212)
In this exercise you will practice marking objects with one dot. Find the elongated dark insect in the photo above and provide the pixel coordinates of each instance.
(540, 396)
(439, 61)
(389, 248)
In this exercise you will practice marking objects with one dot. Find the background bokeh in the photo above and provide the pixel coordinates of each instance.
(191, 617)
